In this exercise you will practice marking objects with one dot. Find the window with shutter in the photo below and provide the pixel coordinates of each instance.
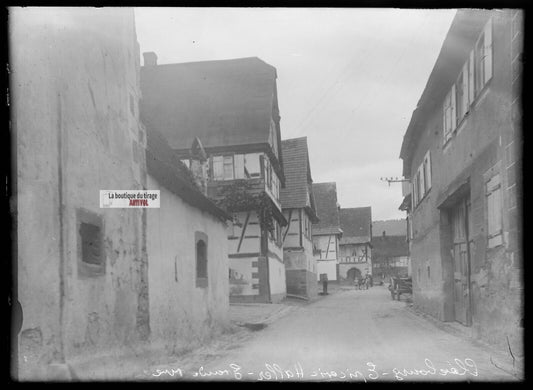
(218, 168)
(228, 168)
(252, 165)
(494, 212)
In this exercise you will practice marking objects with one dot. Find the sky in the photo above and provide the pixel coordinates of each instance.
(348, 79)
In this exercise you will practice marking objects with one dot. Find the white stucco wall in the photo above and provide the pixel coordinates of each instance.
(327, 244)
(277, 277)
(180, 312)
(292, 236)
(251, 241)
(328, 267)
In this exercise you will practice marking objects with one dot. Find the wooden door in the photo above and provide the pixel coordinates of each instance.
(461, 259)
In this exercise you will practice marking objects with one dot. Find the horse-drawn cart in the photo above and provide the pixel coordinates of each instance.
(400, 286)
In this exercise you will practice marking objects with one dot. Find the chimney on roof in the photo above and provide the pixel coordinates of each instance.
(150, 58)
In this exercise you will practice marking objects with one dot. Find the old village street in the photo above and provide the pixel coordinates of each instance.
(352, 335)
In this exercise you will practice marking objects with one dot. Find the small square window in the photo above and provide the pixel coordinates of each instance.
(91, 250)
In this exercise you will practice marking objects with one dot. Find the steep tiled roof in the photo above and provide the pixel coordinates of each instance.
(297, 192)
(391, 227)
(164, 165)
(227, 102)
(327, 209)
(389, 246)
(356, 225)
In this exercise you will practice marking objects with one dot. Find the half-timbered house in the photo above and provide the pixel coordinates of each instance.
(355, 250)
(231, 107)
(327, 231)
(390, 250)
(298, 204)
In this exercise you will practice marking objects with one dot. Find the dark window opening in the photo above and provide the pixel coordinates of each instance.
(91, 251)
(201, 260)
(90, 245)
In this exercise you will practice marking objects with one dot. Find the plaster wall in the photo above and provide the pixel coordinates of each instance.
(74, 92)
(180, 312)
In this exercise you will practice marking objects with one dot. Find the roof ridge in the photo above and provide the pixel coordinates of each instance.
(209, 62)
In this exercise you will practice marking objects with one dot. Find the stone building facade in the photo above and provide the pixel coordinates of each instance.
(82, 270)
(462, 152)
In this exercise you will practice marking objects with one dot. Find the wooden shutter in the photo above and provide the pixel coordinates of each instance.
(422, 181)
(465, 98)
(253, 164)
(262, 166)
(471, 79)
(218, 168)
(494, 211)
(444, 132)
(487, 51)
(417, 188)
(413, 201)
(453, 109)
(446, 118)
(239, 166)
(415, 193)
(228, 168)
(428, 169)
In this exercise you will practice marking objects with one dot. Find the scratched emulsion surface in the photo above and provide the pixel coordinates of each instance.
(353, 335)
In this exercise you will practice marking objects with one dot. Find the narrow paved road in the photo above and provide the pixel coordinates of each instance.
(356, 336)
